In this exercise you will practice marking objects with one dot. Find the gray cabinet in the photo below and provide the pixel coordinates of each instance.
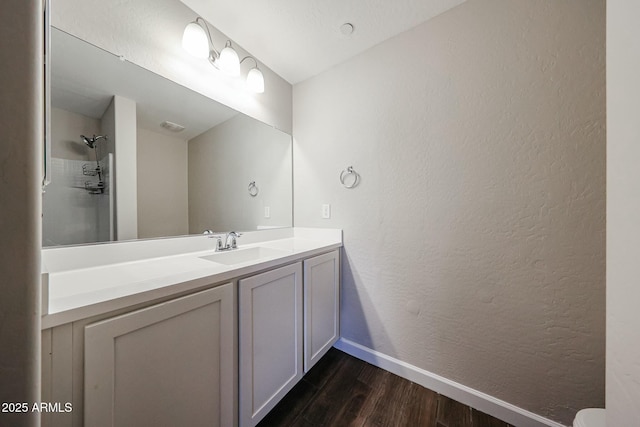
(169, 364)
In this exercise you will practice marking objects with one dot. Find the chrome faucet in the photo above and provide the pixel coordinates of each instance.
(211, 235)
(231, 242)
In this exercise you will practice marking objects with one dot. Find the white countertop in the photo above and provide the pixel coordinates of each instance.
(84, 281)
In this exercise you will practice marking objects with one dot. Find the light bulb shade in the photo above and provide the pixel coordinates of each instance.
(194, 40)
(255, 81)
(229, 61)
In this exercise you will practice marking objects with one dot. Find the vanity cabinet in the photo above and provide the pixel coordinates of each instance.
(321, 306)
(270, 329)
(169, 364)
(222, 356)
(288, 321)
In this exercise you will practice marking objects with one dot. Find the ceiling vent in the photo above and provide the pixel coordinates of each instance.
(173, 127)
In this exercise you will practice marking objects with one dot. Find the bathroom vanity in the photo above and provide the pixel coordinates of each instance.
(170, 332)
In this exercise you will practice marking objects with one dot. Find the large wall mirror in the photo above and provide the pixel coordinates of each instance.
(118, 173)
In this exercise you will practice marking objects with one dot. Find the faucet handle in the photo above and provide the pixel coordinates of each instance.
(219, 245)
(231, 239)
(210, 235)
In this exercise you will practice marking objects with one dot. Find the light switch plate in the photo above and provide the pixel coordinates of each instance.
(326, 211)
(267, 212)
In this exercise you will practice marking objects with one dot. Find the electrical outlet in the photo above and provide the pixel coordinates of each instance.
(267, 212)
(326, 211)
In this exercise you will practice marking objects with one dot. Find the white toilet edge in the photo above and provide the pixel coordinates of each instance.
(590, 417)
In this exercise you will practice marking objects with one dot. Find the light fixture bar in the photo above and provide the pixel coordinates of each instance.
(197, 40)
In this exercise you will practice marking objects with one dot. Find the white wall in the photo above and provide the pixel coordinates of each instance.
(21, 113)
(475, 244)
(163, 208)
(119, 124)
(149, 33)
(623, 213)
(222, 163)
(66, 128)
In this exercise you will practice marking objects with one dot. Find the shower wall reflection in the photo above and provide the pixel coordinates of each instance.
(78, 204)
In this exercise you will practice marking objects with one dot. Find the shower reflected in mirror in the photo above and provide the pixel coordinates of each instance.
(94, 187)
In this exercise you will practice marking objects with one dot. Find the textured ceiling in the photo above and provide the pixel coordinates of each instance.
(301, 38)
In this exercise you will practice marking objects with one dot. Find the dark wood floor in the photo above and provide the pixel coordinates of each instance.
(344, 391)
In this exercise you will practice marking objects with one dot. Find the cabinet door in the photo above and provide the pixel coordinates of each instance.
(270, 339)
(321, 306)
(166, 365)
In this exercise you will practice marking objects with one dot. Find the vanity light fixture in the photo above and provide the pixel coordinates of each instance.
(228, 60)
(197, 40)
(255, 79)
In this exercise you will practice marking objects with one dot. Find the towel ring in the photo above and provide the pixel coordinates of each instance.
(344, 177)
(253, 189)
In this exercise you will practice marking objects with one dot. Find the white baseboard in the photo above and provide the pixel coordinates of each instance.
(476, 399)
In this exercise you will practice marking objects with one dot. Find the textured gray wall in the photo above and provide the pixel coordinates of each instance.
(20, 205)
(475, 244)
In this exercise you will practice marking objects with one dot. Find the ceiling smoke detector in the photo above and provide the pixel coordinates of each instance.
(173, 127)
(346, 29)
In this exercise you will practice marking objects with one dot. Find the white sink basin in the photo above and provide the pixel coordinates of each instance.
(239, 256)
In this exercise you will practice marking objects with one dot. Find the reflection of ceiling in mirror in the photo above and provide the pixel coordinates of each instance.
(84, 79)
